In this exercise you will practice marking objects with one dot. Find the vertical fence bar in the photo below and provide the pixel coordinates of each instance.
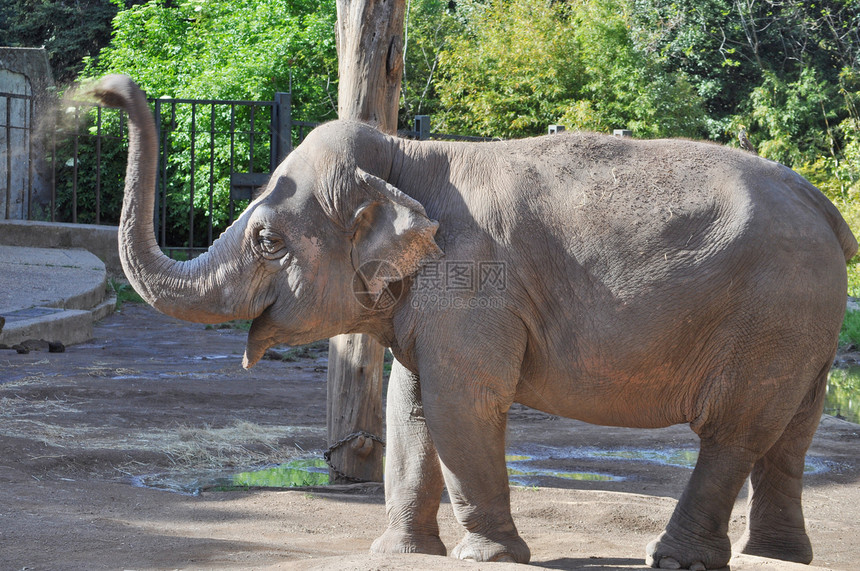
(75, 169)
(232, 157)
(273, 135)
(31, 137)
(159, 187)
(211, 170)
(251, 141)
(283, 131)
(193, 173)
(8, 156)
(54, 168)
(98, 164)
(166, 147)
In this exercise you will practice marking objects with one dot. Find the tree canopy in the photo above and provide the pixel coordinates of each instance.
(519, 65)
(69, 30)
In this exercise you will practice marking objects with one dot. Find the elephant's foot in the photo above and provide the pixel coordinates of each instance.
(794, 547)
(396, 541)
(688, 552)
(477, 547)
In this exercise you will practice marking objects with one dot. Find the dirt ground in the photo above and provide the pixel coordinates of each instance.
(159, 401)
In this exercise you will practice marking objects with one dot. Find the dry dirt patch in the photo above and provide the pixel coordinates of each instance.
(152, 395)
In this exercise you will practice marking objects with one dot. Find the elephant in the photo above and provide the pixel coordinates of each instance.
(621, 282)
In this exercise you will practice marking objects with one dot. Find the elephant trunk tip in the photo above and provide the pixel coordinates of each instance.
(249, 360)
(112, 91)
(254, 349)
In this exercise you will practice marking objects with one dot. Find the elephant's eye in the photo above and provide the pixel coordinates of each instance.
(271, 245)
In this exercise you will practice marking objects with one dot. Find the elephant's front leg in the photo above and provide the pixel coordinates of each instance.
(413, 477)
(467, 422)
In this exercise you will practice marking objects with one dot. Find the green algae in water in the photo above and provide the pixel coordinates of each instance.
(682, 458)
(516, 475)
(293, 474)
(672, 457)
(520, 473)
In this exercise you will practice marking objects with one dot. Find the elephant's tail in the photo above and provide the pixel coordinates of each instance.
(837, 223)
(846, 238)
(841, 229)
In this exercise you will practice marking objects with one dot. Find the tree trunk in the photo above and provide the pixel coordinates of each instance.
(370, 60)
(370, 67)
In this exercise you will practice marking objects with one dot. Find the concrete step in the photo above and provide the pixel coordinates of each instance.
(53, 295)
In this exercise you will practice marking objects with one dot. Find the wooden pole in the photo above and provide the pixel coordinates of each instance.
(370, 60)
(370, 67)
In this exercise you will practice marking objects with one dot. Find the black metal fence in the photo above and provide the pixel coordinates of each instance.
(17, 111)
(213, 155)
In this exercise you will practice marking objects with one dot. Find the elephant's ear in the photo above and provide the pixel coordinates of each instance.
(392, 235)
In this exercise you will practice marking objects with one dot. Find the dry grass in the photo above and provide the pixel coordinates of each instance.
(75, 428)
(242, 443)
(19, 407)
(26, 380)
(110, 372)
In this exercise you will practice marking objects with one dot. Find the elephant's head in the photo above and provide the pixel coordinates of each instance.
(290, 261)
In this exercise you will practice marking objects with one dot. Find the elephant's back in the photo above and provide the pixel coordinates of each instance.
(623, 206)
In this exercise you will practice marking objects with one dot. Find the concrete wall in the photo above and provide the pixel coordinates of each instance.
(25, 176)
(100, 240)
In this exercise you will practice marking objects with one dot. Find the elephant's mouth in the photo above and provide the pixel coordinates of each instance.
(262, 335)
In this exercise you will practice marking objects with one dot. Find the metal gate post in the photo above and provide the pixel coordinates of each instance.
(282, 120)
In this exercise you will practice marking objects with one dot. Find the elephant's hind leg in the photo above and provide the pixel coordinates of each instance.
(696, 536)
(775, 525)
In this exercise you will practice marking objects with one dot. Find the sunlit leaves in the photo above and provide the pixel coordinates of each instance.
(522, 65)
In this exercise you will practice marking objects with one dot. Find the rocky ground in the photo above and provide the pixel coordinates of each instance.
(157, 401)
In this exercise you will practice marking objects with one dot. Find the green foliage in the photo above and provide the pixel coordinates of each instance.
(69, 30)
(429, 26)
(787, 70)
(521, 65)
(726, 47)
(627, 86)
(843, 394)
(202, 49)
(850, 333)
(244, 49)
(791, 118)
(124, 293)
(494, 85)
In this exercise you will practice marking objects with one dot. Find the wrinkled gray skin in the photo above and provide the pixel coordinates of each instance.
(646, 283)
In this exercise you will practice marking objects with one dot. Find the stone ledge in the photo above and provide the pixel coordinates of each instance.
(68, 326)
(102, 241)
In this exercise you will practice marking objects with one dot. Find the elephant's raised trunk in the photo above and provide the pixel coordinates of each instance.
(196, 290)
